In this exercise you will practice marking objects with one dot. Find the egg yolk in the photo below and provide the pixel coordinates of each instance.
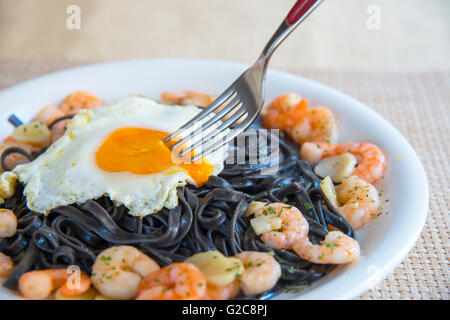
(143, 151)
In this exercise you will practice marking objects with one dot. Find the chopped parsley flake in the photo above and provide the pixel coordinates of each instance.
(308, 205)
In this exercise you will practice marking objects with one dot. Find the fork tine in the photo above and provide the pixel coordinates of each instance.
(215, 145)
(222, 113)
(226, 124)
(214, 120)
(205, 112)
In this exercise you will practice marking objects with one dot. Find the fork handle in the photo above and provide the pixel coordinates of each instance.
(298, 13)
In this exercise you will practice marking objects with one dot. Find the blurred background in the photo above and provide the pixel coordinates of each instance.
(354, 35)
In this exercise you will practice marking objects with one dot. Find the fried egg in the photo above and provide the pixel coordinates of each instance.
(117, 151)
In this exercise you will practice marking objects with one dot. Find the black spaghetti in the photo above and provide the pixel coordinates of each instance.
(207, 218)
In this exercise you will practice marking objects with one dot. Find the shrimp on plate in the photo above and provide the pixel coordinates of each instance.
(294, 225)
(371, 160)
(188, 97)
(359, 199)
(177, 281)
(39, 284)
(289, 112)
(8, 223)
(261, 272)
(6, 265)
(336, 248)
(315, 124)
(118, 270)
(15, 159)
(283, 111)
(48, 114)
(58, 129)
(226, 292)
(79, 100)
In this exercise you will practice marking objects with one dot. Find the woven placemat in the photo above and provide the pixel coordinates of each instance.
(416, 104)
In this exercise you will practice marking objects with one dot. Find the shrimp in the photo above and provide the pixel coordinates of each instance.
(39, 284)
(313, 152)
(8, 223)
(283, 111)
(48, 114)
(261, 272)
(360, 201)
(6, 265)
(371, 160)
(314, 124)
(289, 112)
(336, 248)
(118, 270)
(177, 281)
(294, 225)
(222, 292)
(79, 100)
(196, 98)
(184, 98)
(15, 159)
(58, 130)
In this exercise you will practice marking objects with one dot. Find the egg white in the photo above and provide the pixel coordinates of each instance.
(67, 172)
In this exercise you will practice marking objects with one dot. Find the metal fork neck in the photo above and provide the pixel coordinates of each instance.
(285, 28)
(277, 38)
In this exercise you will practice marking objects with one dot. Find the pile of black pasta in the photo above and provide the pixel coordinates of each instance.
(208, 218)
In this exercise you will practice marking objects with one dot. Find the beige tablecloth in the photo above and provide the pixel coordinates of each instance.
(419, 106)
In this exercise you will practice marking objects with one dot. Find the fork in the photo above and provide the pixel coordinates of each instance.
(241, 103)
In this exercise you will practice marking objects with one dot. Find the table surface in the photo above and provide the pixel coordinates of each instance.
(417, 104)
(413, 35)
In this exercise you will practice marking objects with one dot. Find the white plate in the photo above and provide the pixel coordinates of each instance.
(385, 242)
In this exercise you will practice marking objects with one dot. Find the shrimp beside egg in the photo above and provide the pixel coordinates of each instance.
(188, 97)
(79, 100)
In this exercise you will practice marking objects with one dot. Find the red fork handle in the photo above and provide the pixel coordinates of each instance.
(298, 10)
